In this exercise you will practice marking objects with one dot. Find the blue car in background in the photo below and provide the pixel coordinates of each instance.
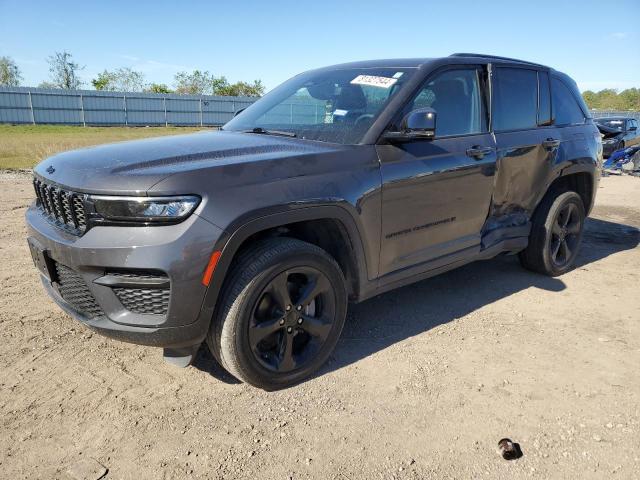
(618, 133)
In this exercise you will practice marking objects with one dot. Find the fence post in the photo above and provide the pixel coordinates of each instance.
(33, 117)
(84, 123)
(126, 119)
(164, 104)
(200, 111)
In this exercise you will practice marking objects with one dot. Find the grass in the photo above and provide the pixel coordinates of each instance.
(23, 146)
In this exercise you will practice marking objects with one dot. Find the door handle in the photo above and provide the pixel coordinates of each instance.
(478, 152)
(551, 143)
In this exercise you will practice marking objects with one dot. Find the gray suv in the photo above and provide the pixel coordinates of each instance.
(340, 184)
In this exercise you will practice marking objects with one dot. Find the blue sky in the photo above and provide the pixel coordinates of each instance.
(596, 42)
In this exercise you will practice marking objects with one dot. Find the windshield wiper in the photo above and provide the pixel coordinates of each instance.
(271, 132)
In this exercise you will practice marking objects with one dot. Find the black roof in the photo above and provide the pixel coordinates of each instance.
(493, 58)
(419, 62)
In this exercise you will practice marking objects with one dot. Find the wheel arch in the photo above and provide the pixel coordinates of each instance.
(329, 227)
(575, 178)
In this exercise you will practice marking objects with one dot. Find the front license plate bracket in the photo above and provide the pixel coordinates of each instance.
(41, 260)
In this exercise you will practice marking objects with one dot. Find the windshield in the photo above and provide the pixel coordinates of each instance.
(615, 123)
(335, 106)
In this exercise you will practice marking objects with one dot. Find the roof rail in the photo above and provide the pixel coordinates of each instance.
(496, 57)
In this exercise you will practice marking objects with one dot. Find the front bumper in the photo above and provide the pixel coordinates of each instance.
(181, 252)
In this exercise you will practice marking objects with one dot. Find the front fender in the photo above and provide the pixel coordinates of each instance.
(254, 222)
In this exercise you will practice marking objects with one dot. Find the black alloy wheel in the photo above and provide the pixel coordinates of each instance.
(292, 319)
(280, 314)
(565, 235)
(556, 232)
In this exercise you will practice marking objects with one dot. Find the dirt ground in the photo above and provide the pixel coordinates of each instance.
(423, 384)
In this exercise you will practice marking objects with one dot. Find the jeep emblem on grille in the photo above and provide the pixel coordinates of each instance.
(50, 169)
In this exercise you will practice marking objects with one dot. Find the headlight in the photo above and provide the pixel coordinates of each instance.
(144, 209)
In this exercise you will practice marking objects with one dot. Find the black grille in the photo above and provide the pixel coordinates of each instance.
(74, 290)
(64, 207)
(144, 300)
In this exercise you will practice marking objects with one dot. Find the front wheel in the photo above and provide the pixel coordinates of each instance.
(556, 234)
(282, 311)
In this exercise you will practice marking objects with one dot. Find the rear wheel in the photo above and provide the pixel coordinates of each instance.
(281, 313)
(556, 233)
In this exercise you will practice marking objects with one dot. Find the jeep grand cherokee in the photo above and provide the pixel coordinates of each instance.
(340, 184)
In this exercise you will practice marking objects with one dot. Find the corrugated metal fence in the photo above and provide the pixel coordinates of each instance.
(614, 113)
(22, 105)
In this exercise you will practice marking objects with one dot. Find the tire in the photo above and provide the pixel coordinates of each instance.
(556, 234)
(259, 334)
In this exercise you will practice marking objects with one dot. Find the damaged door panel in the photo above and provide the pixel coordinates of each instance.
(525, 161)
(527, 148)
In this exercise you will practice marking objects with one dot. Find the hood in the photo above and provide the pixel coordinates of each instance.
(133, 167)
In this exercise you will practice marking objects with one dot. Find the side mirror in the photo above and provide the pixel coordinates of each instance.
(419, 124)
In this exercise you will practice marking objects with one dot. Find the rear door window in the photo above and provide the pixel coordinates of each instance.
(515, 99)
(566, 109)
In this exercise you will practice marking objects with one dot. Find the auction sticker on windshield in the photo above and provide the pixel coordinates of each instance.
(374, 81)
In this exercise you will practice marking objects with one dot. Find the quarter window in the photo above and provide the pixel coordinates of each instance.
(566, 109)
(515, 99)
(456, 96)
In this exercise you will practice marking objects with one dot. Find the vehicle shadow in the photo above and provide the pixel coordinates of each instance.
(403, 313)
(206, 362)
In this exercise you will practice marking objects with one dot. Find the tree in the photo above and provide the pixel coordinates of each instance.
(630, 99)
(195, 83)
(9, 73)
(64, 71)
(157, 88)
(610, 99)
(241, 89)
(204, 83)
(104, 81)
(590, 98)
(120, 80)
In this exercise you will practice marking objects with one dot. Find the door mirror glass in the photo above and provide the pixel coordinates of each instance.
(420, 122)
